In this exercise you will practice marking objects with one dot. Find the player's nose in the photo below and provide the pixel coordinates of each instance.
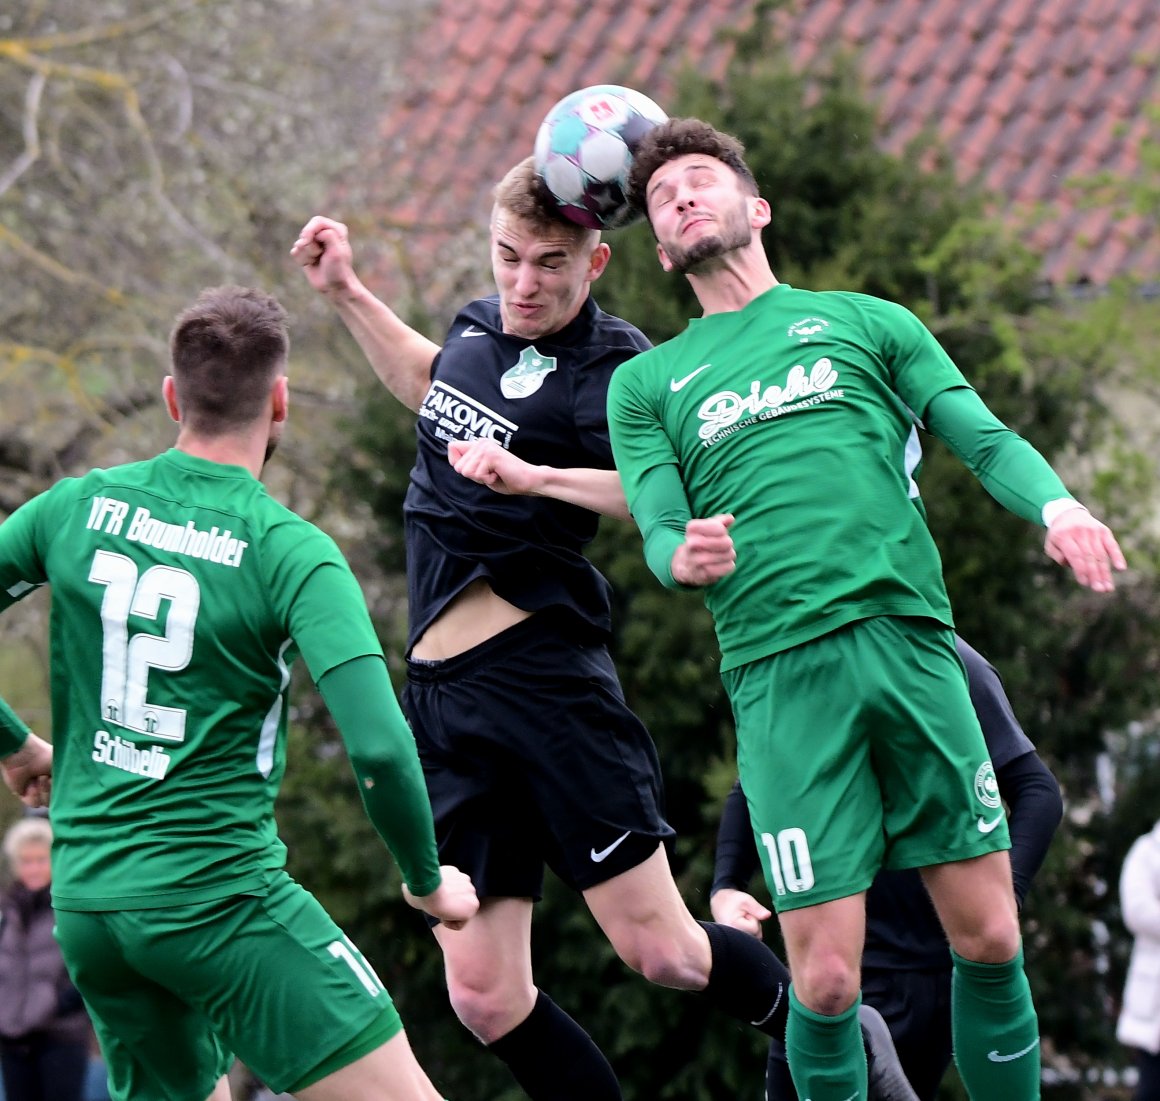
(526, 279)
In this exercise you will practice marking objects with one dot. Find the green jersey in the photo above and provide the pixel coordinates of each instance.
(797, 414)
(181, 594)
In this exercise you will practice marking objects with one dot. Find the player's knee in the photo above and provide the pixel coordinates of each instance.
(489, 1010)
(993, 938)
(664, 960)
(827, 984)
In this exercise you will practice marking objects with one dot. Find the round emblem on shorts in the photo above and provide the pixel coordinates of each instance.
(986, 786)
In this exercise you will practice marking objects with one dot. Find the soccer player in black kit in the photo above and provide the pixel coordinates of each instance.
(531, 755)
(906, 967)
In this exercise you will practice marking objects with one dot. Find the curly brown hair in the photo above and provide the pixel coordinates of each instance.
(678, 138)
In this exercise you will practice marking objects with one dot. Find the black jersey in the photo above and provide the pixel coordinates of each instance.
(544, 400)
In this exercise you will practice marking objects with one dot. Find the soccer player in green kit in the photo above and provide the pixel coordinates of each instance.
(182, 592)
(766, 453)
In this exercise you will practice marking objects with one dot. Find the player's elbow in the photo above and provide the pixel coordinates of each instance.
(374, 766)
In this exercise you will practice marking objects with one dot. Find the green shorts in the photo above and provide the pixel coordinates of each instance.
(176, 992)
(861, 750)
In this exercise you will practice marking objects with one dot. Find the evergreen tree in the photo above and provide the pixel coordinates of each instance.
(847, 215)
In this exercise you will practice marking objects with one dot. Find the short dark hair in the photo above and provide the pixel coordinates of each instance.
(227, 349)
(523, 194)
(677, 138)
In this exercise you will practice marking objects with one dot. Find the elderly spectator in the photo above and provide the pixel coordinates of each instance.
(44, 1029)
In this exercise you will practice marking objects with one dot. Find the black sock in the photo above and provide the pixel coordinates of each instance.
(746, 979)
(554, 1059)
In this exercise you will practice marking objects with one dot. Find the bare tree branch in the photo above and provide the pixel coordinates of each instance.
(122, 405)
(89, 36)
(31, 131)
(57, 270)
(184, 99)
(25, 454)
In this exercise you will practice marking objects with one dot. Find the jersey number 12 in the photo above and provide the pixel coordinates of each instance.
(126, 661)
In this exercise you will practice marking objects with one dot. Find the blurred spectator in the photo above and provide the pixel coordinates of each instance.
(1139, 1023)
(44, 1029)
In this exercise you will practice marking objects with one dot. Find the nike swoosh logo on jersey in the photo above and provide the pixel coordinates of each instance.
(677, 384)
(471, 330)
(987, 827)
(995, 1057)
(597, 857)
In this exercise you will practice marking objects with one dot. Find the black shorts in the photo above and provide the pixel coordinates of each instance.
(532, 757)
(917, 1007)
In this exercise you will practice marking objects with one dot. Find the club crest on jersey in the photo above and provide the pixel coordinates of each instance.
(807, 329)
(528, 375)
(987, 786)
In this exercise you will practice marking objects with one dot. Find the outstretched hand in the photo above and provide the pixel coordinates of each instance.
(454, 902)
(1078, 540)
(707, 554)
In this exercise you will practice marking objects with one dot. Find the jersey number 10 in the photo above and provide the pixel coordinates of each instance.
(790, 864)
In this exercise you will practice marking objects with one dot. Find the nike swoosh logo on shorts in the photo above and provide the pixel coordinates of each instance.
(678, 384)
(987, 827)
(471, 330)
(995, 1057)
(597, 857)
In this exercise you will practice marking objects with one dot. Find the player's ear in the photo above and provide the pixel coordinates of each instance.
(663, 257)
(760, 214)
(598, 261)
(280, 398)
(169, 393)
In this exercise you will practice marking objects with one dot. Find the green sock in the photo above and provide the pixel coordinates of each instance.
(826, 1059)
(995, 1030)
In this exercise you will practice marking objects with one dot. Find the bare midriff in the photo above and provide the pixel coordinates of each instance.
(474, 616)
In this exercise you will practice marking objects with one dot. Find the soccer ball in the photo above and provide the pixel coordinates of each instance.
(584, 149)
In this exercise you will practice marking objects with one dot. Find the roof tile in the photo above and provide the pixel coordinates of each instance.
(1027, 96)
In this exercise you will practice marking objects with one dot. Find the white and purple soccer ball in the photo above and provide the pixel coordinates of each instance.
(584, 150)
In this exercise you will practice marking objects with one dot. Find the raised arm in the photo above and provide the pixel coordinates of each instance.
(1021, 480)
(400, 356)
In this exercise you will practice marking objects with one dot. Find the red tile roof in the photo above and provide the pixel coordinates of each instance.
(1029, 96)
